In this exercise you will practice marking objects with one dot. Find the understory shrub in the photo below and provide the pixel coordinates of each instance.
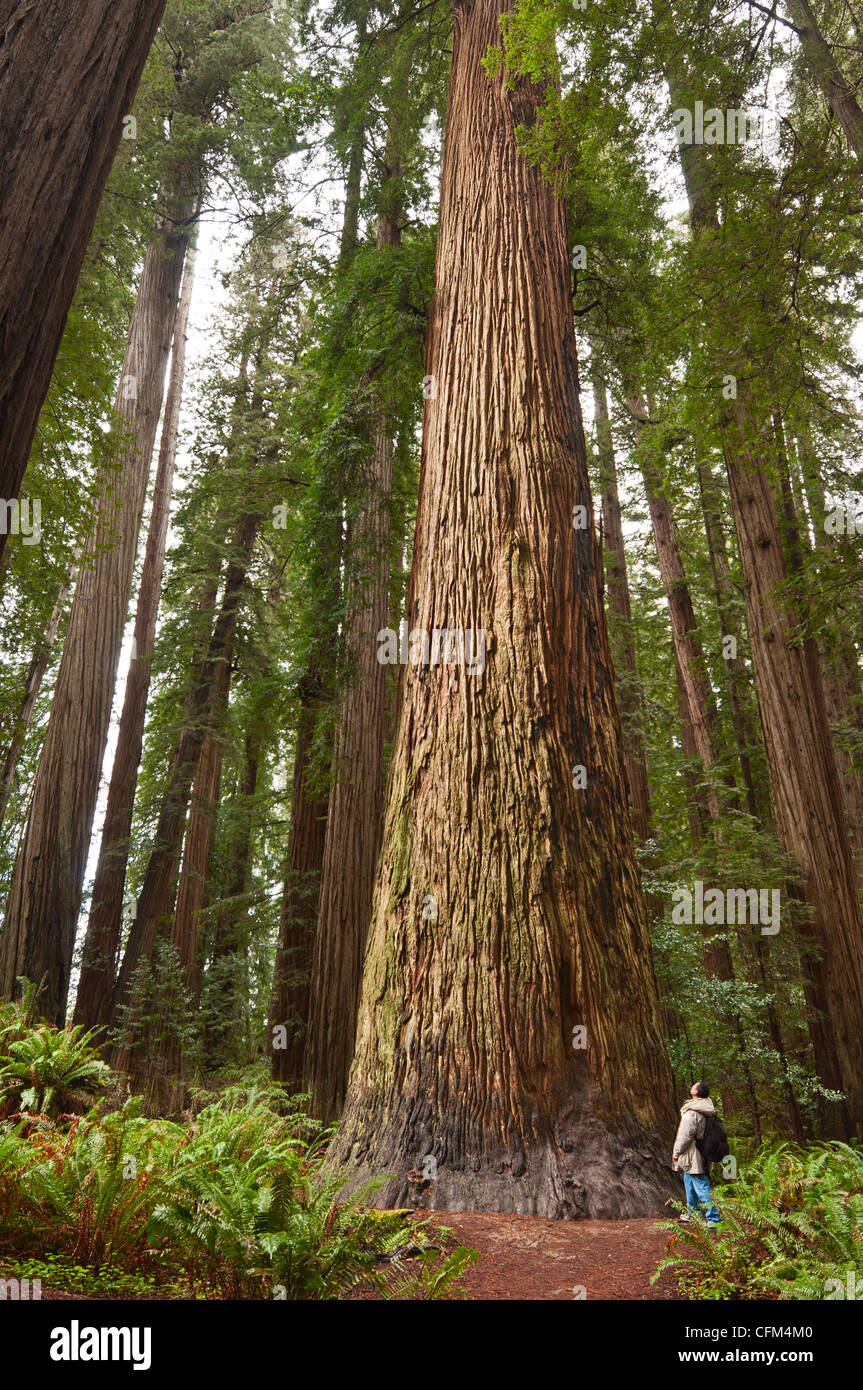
(792, 1228)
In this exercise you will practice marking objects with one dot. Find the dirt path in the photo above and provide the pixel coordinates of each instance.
(530, 1257)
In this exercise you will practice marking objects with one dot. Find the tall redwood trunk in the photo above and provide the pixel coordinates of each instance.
(32, 685)
(289, 1002)
(804, 782)
(623, 645)
(465, 1042)
(684, 629)
(355, 809)
(96, 982)
(227, 983)
(68, 76)
(47, 884)
(745, 733)
(287, 1030)
(701, 723)
(157, 891)
(838, 92)
(162, 1063)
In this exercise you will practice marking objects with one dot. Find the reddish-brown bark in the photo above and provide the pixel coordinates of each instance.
(99, 960)
(68, 76)
(623, 645)
(47, 884)
(355, 811)
(465, 1038)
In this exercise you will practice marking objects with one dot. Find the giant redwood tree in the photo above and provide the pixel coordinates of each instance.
(68, 76)
(508, 926)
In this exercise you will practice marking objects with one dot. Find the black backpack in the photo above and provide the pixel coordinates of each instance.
(713, 1144)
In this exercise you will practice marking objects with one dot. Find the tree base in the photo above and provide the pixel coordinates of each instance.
(577, 1171)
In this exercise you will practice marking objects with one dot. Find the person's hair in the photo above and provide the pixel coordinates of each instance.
(702, 1090)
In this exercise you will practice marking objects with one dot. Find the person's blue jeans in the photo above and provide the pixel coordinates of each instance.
(698, 1194)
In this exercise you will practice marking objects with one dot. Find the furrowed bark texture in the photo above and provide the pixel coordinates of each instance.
(101, 944)
(68, 76)
(47, 884)
(465, 1035)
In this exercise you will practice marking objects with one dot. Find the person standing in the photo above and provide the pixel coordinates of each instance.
(688, 1159)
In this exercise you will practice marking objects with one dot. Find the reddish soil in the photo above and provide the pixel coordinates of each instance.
(529, 1257)
(532, 1258)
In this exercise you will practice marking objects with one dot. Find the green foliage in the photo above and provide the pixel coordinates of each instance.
(231, 1203)
(791, 1221)
(43, 1068)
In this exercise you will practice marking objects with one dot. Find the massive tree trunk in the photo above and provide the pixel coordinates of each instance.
(508, 925)
(93, 999)
(47, 884)
(68, 76)
(356, 796)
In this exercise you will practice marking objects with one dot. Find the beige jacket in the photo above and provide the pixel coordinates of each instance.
(691, 1127)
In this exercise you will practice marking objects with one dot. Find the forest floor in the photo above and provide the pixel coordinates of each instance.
(533, 1258)
(530, 1257)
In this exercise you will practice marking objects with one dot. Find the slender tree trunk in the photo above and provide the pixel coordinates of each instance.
(806, 792)
(468, 1045)
(629, 697)
(684, 629)
(101, 944)
(716, 951)
(838, 92)
(840, 666)
(289, 1004)
(356, 796)
(227, 984)
(68, 76)
(701, 722)
(203, 808)
(287, 1029)
(47, 884)
(804, 782)
(157, 891)
(162, 1067)
(745, 733)
(32, 686)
